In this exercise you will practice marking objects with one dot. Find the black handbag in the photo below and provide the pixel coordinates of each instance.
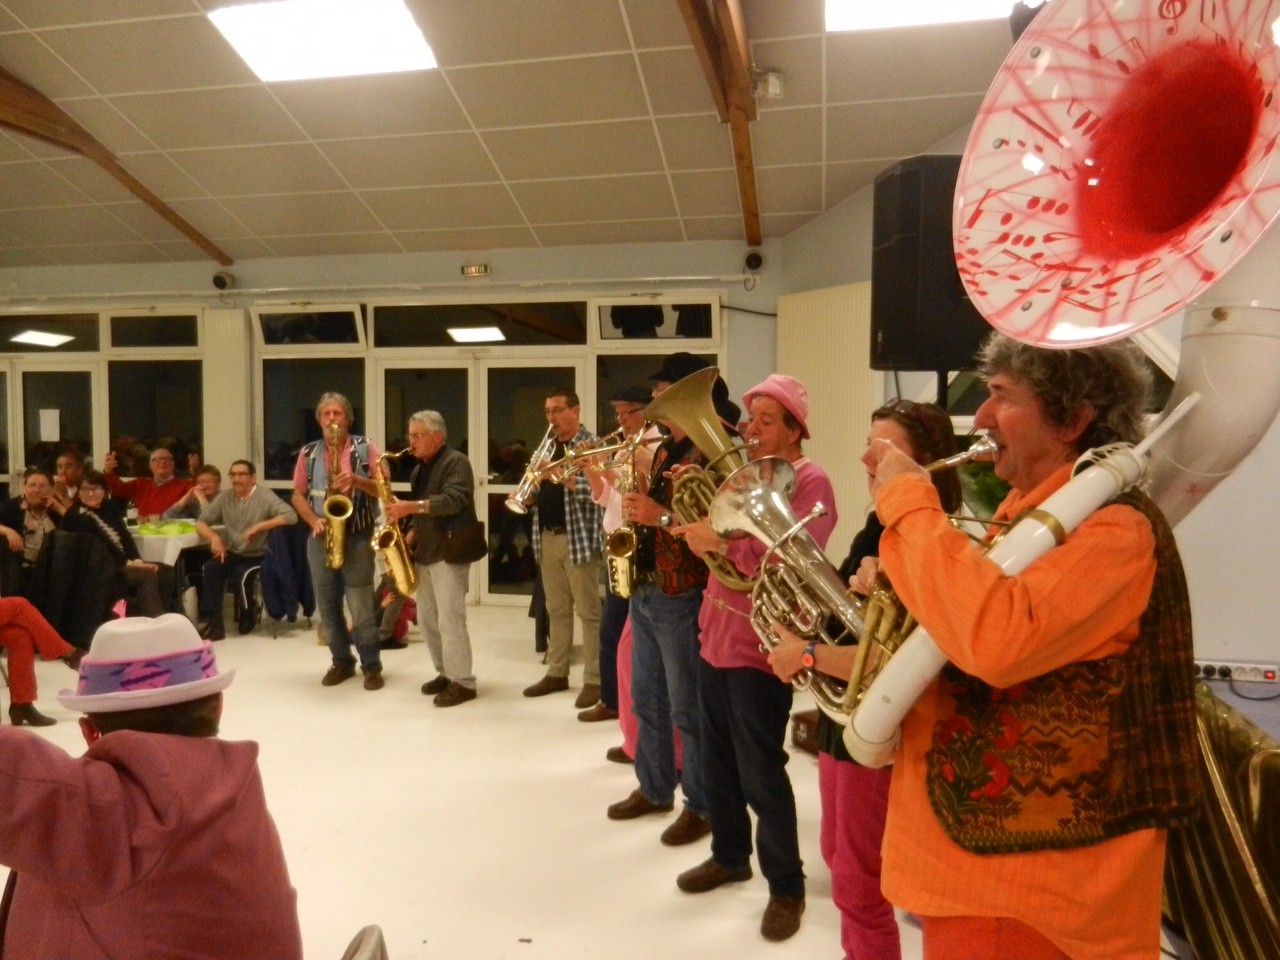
(465, 543)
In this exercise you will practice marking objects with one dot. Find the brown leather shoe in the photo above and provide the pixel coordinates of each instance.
(336, 675)
(687, 828)
(373, 680)
(636, 805)
(708, 875)
(454, 694)
(547, 684)
(438, 685)
(781, 918)
(617, 755)
(588, 696)
(597, 713)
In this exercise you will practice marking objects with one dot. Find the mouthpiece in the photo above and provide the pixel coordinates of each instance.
(984, 448)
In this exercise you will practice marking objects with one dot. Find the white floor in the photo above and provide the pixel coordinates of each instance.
(478, 831)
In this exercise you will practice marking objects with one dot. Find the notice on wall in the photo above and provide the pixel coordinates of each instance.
(49, 431)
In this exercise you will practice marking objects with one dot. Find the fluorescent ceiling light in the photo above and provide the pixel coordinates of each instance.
(475, 334)
(882, 14)
(310, 39)
(41, 339)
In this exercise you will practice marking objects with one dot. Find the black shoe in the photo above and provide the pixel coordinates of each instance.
(391, 644)
(438, 685)
(336, 675)
(212, 630)
(20, 713)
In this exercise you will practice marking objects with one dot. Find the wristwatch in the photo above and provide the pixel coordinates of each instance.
(664, 521)
(806, 658)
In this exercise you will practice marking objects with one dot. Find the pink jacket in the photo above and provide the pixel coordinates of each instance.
(149, 846)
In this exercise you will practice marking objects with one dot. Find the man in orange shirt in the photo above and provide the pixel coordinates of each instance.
(1038, 774)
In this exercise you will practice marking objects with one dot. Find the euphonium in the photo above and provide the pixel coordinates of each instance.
(803, 589)
(337, 506)
(532, 473)
(388, 540)
(688, 405)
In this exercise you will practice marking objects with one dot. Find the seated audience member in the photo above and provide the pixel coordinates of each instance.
(207, 486)
(24, 523)
(68, 472)
(22, 632)
(152, 495)
(148, 582)
(195, 460)
(396, 614)
(157, 841)
(249, 513)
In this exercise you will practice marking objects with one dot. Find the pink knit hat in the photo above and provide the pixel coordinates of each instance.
(789, 392)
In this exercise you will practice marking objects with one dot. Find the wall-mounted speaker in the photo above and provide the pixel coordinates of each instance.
(921, 318)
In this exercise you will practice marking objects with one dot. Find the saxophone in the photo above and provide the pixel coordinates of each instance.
(337, 506)
(620, 545)
(388, 539)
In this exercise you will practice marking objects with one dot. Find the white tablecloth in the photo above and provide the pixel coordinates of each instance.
(155, 548)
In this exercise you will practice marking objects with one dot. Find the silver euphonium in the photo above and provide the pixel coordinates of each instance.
(533, 472)
(802, 589)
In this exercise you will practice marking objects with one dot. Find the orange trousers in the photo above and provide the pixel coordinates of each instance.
(985, 938)
(23, 631)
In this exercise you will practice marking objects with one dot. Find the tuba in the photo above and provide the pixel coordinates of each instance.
(533, 473)
(337, 506)
(1121, 164)
(388, 538)
(688, 405)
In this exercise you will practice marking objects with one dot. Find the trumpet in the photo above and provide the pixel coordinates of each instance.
(533, 473)
(583, 456)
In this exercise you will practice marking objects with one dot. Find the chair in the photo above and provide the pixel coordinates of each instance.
(248, 600)
(75, 583)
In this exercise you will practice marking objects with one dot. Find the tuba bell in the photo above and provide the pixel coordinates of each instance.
(687, 403)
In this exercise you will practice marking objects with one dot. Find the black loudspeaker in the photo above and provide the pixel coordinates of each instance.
(921, 318)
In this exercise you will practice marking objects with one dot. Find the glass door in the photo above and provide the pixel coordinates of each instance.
(56, 413)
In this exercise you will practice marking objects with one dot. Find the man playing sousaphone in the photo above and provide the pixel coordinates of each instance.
(1038, 775)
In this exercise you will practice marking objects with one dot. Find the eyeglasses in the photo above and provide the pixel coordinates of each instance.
(240, 473)
(555, 411)
(84, 490)
(162, 459)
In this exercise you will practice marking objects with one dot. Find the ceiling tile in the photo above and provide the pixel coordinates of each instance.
(211, 218)
(790, 189)
(707, 193)
(466, 238)
(846, 179)
(424, 208)
(243, 248)
(301, 213)
(787, 136)
(431, 159)
(550, 91)
(34, 64)
(864, 131)
(173, 53)
(917, 62)
(800, 63)
(713, 228)
(695, 143)
(781, 224)
(675, 82)
(56, 225)
(244, 171)
(209, 118)
(589, 149)
(12, 147)
(394, 103)
(143, 221)
(533, 29)
(33, 184)
(642, 197)
(336, 244)
(161, 175)
(25, 257)
(632, 231)
(104, 124)
(656, 24)
(52, 13)
(782, 18)
(89, 178)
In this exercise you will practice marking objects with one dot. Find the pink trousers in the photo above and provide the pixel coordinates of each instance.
(854, 802)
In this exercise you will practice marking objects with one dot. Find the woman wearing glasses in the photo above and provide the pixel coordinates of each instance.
(96, 515)
(855, 798)
(25, 521)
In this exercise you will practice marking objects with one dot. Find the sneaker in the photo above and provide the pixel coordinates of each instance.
(337, 674)
(453, 695)
(373, 680)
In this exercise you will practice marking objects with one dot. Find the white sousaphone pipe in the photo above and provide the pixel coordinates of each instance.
(1084, 213)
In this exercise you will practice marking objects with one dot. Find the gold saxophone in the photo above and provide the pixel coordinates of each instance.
(337, 506)
(388, 539)
(620, 545)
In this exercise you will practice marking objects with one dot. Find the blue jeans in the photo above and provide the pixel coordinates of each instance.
(354, 581)
(613, 617)
(664, 688)
(745, 713)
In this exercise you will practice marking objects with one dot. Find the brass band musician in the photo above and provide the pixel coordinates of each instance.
(341, 462)
(1037, 776)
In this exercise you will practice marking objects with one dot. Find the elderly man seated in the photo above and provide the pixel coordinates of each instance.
(248, 513)
(152, 495)
(157, 841)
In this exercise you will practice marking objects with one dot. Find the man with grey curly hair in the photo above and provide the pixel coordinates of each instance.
(1037, 777)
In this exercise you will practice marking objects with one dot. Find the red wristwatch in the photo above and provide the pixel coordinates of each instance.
(806, 658)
